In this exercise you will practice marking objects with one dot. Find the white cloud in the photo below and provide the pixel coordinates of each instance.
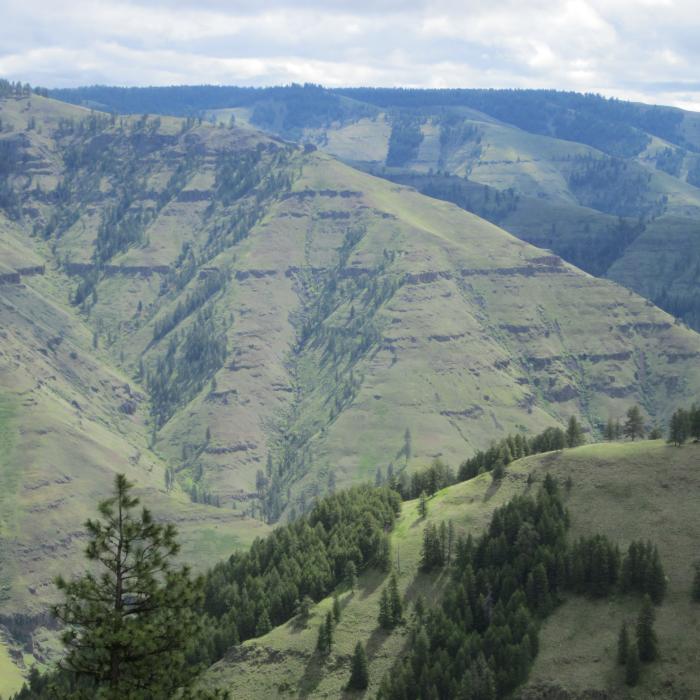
(642, 48)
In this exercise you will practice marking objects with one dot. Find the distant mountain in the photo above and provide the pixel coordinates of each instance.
(609, 185)
(241, 323)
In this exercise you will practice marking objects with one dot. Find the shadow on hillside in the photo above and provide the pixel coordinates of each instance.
(420, 519)
(492, 490)
(370, 586)
(313, 673)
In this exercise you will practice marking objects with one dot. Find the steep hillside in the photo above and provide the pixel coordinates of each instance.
(274, 305)
(241, 324)
(616, 490)
(580, 175)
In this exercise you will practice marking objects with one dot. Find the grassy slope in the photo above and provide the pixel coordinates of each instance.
(627, 491)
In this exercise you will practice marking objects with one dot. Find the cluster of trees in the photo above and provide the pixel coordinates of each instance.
(191, 359)
(213, 283)
(438, 545)
(390, 605)
(481, 640)
(342, 534)
(684, 424)
(14, 89)
(479, 643)
(610, 125)
(633, 427)
(643, 649)
(499, 455)
(405, 139)
(614, 186)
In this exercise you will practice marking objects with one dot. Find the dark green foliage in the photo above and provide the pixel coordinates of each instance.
(623, 645)
(127, 628)
(647, 642)
(350, 574)
(594, 566)
(308, 557)
(432, 551)
(634, 425)
(642, 571)
(486, 623)
(423, 504)
(190, 360)
(213, 283)
(336, 608)
(510, 448)
(633, 666)
(683, 425)
(574, 433)
(695, 593)
(429, 481)
(614, 186)
(384, 618)
(405, 139)
(359, 673)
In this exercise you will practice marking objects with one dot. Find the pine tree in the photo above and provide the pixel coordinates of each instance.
(632, 669)
(574, 433)
(336, 608)
(264, 625)
(609, 432)
(696, 583)
(359, 674)
(623, 643)
(351, 574)
(634, 425)
(329, 630)
(395, 604)
(385, 618)
(322, 640)
(679, 428)
(647, 642)
(129, 626)
(423, 504)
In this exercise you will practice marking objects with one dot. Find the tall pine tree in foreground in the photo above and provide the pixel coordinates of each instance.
(129, 620)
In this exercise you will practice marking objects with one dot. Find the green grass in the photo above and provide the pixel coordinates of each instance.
(624, 490)
(11, 677)
(10, 479)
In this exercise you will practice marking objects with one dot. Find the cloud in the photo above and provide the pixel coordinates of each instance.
(641, 49)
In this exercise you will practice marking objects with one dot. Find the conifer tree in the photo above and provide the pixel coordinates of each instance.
(623, 643)
(679, 428)
(574, 433)
(696, 583)
(351, 574)
(395, 604)
(423, 504)
(385, 618)
(264, 625)
(609, 432)
(647, 642)
(129, 621)
(359, 674)
(322, 640)
(632, 666)
(634, 425)
(329, 630)
(336, 608)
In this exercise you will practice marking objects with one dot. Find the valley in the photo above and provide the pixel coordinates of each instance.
(247, 308)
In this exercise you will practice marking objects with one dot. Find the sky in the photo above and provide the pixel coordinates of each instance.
(646, 50)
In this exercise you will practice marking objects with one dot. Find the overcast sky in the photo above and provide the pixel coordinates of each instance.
(647, 50)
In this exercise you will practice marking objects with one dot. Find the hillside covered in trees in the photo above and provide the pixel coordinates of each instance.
(611, 186)
(243, 325)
